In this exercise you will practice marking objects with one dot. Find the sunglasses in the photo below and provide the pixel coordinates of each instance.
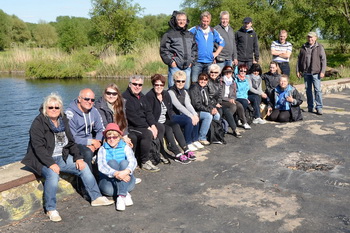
(180, 81)
(158, 85)
(51, 107)
(113, 137)
(111, 93)
(88, 99)
(214, 72)
(137, 84)
(204, 79)
(243, 71)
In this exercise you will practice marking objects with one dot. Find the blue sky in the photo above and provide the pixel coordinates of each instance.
(34, 10)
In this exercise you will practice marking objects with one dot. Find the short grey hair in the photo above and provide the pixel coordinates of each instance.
(213, 67)
(179, 74)
(222, 13)
(55, 98)
(136, 77)
(205, 14)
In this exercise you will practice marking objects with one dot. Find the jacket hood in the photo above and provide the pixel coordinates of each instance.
(74, 106)
(250, 30)
(173, 25)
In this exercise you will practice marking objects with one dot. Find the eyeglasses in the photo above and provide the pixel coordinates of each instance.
(111, 93)
(51, 107)
(180, 81)
(158, 85)
(112, 137)
(214, 72)
(137, 84)
(243, 71)
(88, 99)
(204, 79)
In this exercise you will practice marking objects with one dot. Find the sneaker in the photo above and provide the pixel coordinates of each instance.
(319, 111)
(198, 145)
(101, 201)
(204, 142)
(246, 126)
(128, 201)
(148, 166)
(217, 142)
(190, 155)
(163, 159)
(239, 123)
(138, 180)
(182, 159)
(120, 204)
(192, 147)
(259, 121)
(237, 134)
(54, 215)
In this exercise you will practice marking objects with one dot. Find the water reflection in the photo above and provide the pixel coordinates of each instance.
(20, 102)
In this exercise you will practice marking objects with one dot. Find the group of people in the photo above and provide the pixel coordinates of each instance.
(213, 75)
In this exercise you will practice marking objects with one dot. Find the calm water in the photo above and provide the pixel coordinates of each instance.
(20, 102)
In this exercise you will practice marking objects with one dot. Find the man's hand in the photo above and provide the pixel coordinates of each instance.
(298, 74)
(55, 168)
(232, 101)
(321, 75)
(96, 143)
(173, 64)
(80, 165)
(154, 131)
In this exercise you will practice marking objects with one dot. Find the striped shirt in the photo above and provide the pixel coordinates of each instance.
(277, 46)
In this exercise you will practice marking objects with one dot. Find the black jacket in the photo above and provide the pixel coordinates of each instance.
(42, 143)
(138, 111)
(197, 99)
(215, 91)
(247, 45)
(179, 45)
(155, 104)
(272, 80)
(105, 112)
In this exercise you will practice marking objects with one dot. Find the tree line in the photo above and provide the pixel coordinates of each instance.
(117, 23)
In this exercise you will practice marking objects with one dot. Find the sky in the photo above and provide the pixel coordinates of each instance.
(32, 11)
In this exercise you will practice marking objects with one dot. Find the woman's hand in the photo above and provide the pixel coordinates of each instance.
(154, 131)
(232, 101)
(123, 175)
(269, 111)
(290, 99)
(55, 168)
(263, 95)
(127, 140)
(195, 120)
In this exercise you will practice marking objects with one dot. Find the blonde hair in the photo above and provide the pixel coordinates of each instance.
(179, 74)
(53, 97)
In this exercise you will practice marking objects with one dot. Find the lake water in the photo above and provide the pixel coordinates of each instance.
(20, 102)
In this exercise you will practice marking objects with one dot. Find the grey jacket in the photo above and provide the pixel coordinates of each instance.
(229, 52)
(318, 62)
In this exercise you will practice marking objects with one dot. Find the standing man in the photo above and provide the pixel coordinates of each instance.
(247, 44)
(86, 124)
(281, 51)
(205, 37)
(311, 65)
(178, 48)
(141, 122)
(228, 55)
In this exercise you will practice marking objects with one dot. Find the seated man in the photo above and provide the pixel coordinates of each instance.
(86, 124)
(141, 122)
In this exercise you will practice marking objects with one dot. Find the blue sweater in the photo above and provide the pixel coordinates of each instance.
(242, 88)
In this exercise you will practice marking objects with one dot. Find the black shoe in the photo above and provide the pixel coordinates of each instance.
(237, 134)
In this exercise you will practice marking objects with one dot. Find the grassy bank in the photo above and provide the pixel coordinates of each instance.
(145, 60)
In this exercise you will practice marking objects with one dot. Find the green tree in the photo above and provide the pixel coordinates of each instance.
(20, 32)
(154, 26)
(115, 22)
(44, 35)
(5, 30)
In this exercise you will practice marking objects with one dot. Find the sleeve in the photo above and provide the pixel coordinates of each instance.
(98, 126)
(148, 111)
(103, 167)
(256, 48)
(251, 88)
(131, 159)
(218, 38)
(297, 98)
(196, 100)
(178, 105)
(164, 49)
(323, 60)
(73, 128)
(234, 55)
(194, 50)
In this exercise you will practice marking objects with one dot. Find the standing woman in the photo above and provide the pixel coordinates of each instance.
(52, 150)
(163, 113)
(284, 106)
(243, 87)
(111, 107)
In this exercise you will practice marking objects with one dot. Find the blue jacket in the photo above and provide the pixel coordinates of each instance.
(84, 127)
(242, 88)
(206, 47)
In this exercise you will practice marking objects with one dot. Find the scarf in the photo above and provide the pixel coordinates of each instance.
(60, 127)
(228, 81)
(281, 95)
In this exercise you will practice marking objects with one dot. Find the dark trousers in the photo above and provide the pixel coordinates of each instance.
(280, 116)
(255, 101)
(173, 129)
(227, 111)
(285, 69)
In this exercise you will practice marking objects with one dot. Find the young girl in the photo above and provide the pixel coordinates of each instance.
(116, 163)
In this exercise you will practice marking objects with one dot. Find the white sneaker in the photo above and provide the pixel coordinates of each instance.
(259, 121)
(246, 126)
(54, 215)
(198, 145)
(192, 147)
(239, 123)
(120, 204)
(137, 180)
(128, 201)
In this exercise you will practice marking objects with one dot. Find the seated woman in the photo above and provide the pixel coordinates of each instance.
(52, 150)
(111, 107)
(256, 93)
(284, 106)
(162, 106)
(243, 87)
(271, 78)
(199, 93)
(116, 163)
(215, 87)
(229, 104)
(185, 115)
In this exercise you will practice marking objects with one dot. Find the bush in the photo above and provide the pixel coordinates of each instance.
(53, 69)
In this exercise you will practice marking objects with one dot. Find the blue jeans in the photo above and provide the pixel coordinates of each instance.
(225, 63)
(197, 69)
(190, 130)
(255, 101)
(51, 180)
(313, 80)
(87, 154)
(172, 70)
(206, 118)
(112, 186)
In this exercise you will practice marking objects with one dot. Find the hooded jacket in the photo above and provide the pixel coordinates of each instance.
(42, 144)
(178, 45)
(84, 126)
(247, 45)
